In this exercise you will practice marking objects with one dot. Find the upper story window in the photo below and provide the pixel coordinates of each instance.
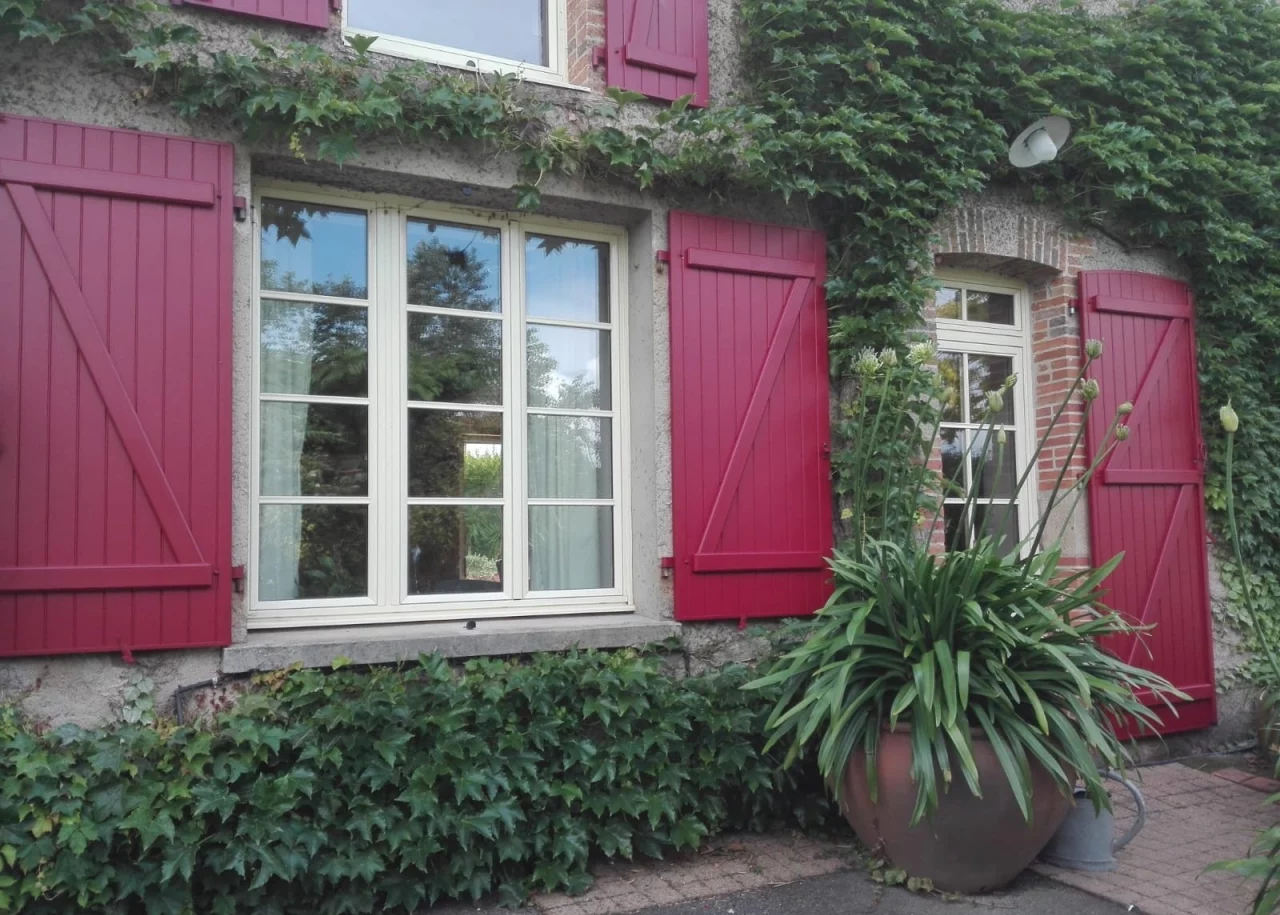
(526, 36)
(982, 340)
(440, 427)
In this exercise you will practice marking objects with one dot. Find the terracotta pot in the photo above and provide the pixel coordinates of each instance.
(971, 844)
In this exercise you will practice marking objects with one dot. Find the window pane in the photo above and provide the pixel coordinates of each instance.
(991, 307)
(315, 349)
(455, 359)
(571, 547)
(999, 522)
(566, 279)
(313, 551)
(452, 455)
(952, 377)
(946, 303)
(570, 457)
(454, 266)
(956, 532)
(310, 449)
(951, 443)
(987, 374)
(511, 29)
(455, 549)
(568, 367)
(995, 477)
(313, 249)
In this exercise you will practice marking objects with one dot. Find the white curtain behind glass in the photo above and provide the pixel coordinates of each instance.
(287, 369)
(571, 546)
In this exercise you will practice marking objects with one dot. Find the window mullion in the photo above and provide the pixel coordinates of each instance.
(390, 361)
(515, 397)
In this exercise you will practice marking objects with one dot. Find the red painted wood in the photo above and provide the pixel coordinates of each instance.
(748, 263)
(314, 13)
(761, 562)
(114, 390)
(106, 183)
(659, 48)
(1149, 502)
(751, 488)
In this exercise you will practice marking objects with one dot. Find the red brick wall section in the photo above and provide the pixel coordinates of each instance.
(1056, 354)
(585, 25)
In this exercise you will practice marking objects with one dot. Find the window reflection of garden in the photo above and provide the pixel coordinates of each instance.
(313, 449)
(319, 348)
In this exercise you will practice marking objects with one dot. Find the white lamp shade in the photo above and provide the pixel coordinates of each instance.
(1040, 142)
(1042, 146)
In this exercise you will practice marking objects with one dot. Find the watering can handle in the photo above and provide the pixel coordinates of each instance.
(1140, 820)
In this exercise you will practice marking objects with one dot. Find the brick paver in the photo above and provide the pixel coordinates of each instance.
(725, 865)
(1194, 818)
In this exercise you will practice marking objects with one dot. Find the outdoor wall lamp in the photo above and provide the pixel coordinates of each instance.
(1040, 142)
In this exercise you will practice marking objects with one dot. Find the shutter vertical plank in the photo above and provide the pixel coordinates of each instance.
(1149, 501)
(751, 497)
(116, 450)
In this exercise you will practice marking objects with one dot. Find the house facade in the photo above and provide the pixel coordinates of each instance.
(258, 410)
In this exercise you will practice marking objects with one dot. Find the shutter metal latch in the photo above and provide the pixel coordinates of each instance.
(598, 56)
(667, 564)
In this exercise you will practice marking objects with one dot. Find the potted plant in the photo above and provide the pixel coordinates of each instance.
(956, 698)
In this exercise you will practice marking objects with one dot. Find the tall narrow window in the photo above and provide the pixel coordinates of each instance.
(313, 440)
(982, 341)
(483, 367)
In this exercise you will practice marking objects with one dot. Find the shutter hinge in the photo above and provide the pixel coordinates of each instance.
(240, 207)
(667, 564)
(598, 54)
(237, 579)
(664, 257)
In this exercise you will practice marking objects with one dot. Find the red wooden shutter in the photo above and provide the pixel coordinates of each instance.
(315, 13)
(659, 48)
(751, 485)
(1148, 499)
(115, 389)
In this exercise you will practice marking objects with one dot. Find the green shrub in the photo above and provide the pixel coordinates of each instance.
(386, 789)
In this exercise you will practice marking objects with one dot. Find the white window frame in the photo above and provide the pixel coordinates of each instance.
(555, 73)
(985, 339)
(388, 600)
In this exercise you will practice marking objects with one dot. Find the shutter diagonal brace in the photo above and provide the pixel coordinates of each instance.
(1157, 576)
(75, 309)
(1160, 359)
(799, 291)
(643, 54)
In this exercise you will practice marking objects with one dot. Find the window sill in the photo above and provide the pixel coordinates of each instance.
(272, 650)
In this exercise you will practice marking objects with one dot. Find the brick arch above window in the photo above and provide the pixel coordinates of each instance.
(1010, 240)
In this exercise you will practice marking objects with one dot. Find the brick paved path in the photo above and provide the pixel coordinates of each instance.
(1193, 819)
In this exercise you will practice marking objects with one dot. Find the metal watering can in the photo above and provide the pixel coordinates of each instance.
(1086, 841)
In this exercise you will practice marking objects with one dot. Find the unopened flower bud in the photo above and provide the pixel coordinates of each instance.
(1230, 421)
(1002, 437)
(1093, 349)
(1122, 433)
(889, 357)
(1125, 408)
(1010, 382)
(1090, 389)
(920, 353)
(995, 402)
